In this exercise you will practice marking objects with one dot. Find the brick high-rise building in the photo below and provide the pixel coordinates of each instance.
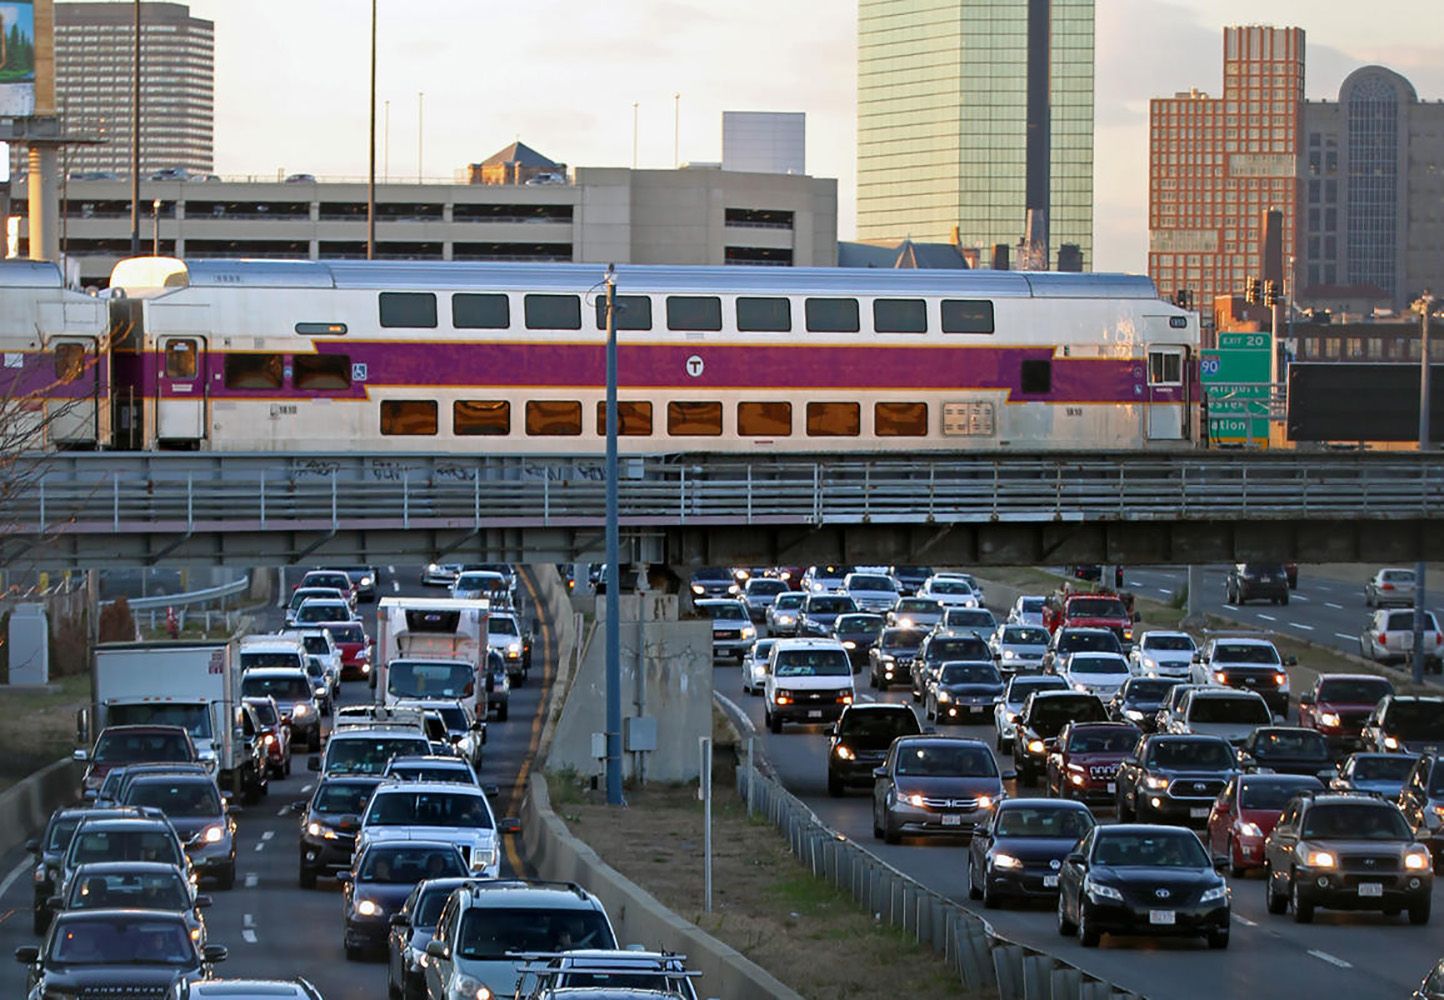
(1217, 165)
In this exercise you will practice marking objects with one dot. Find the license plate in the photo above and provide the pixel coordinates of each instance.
(1164, 918)
(1372, 889)
(1198, 812)
(1050, 881)
(1112, 787)
(952, 820)
(814, 713)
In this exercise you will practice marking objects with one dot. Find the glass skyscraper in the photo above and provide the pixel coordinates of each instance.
(943, 120)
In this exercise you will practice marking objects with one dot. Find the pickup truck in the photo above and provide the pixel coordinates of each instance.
(1109, 611)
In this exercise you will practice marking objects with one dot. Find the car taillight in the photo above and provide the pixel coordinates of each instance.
(1386, 586)
(1382, 637)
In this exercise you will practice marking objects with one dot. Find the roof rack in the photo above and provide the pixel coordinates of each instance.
(1239, 633)
(527, 883)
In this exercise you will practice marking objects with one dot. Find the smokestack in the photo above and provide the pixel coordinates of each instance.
(1000, 256)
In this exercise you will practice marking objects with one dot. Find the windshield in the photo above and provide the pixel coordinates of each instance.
(135, 748)
(342, 800)
(865, 624)
(879, 723)
(283, 687)
(151, 890)
(902, 638)
(1102, 740)
(488, 933)
(1250, 653)
(1089, 642)
(727, 612)
(1169, 643)
(347, 633)
(61, 831)
(1096, 665)
(398, 865)
(1097, 607)
(280, 658)
(829, 604)
(918, 606)
(126, 941)
(430, 808)
(266, 713)
(125, 845)
(1150, 850)
(959, 648)
(305, 594)
(872, 583)
(1304, 744)
(943, 760)
(762, 649)
(1355, 821)
(339, 581)
(1208, 755)
(454, 716)
(428, 907)
(1384, 767)
(1229, 711)
(1416, 720)
(1148, 690)
(316, 644)
(1272, 793)
(949, 587)
(1044, 821)
(419, 679)
(369, 755)
(790, 601)
(456, 773)
(322, 611)
(762, 588)
(1030, 605)
(1025, 635)
(501, 625)
(812, 663)
(1403, 621)
(969, 618)
(1020, 687)
(970, 673)
(176, 798)
(1049, 714)
(713, 573)
(194, 719)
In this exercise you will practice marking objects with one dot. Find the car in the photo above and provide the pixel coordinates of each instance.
(783, 614)
(476, 584)
(1069, 640)
(1432, 988)
(1233, 715)
(599, 974)
(1113, 612)
(330, 818)
(976, 620)
(1245, 813)
(301, 595)
(1388, 637)
(315, 669)
(909, 578)
(456, 814)
(732, 631)
(498, 687)
(120, 745)
(935, 785)
(275, 736)
(505, 635)
(366, 750)
(858, 742)
(204, 821)
(1163, 654)
(858, 633)
(1015, 696)
(715, 581)
(820, 610)
(1093, 572)
(171, 174)
(890, 660)
(754, 668)
(318, 642)
(542, 179)
(1019, 648)
(1083, 764)
(1132, 878)
(484, 923)
(963, 691)
(1286, 750)
(147, 837)
(317, 611)
(300, 179)
(1018, 852)
(1256, 581)
(334, 578)
(1345, 852)
(295, 697)
(967, 578)
(380, 879)
(136, 885)
(49, 849)
(1027, 609)
(243, 989)
(1169, 708)
(410, 928)
(1044, 715)
(1248, 664)
(808, 681)
(1095, 673)
(1338, 705)
(1381, 774)
(253, 754)
(432, 768)
(355, 648)
(363, 579)
(915, 612)
(135, 953)
(874, 592)
(465, 733)
(1139, 700)
(1405, 724)
(117, 782)
(824, 579)
(439, 574)
(1422, 801)
(1171, 778)
(1390, 586)
(950, 592)
(939, 648)
(758, 593)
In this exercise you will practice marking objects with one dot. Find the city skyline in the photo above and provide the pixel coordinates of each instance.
(571, 95)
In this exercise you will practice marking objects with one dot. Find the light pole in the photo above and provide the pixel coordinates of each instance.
(155, 228)
(371, 151)
(1425, 305)
(135, 144)
(614, 574)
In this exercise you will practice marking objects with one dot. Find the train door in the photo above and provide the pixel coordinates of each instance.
(72, 403)
(1167, 416)
(180, 398)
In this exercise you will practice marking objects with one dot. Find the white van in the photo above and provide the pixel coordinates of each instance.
(808, 681)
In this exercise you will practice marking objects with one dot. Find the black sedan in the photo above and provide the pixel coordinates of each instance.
(860, 739)
(1139, 700)
(1131, 878)
(858, 633)
(1019, 852)
(114, 953)
(963, 692)
(890, 661)
(410, 930)
(1287, 750)
(379, 881)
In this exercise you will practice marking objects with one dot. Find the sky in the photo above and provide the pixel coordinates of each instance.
(465, 78)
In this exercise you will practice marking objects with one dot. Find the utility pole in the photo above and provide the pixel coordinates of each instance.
(614, 573)
(135, 144)
(1426, 306)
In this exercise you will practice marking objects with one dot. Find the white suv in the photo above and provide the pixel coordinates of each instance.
(1164, 655)
(808, 681)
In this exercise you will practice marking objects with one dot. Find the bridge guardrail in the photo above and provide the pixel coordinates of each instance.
(157, 605)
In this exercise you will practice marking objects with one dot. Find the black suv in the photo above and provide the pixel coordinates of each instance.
(1079, 640)
(1402, 723)
(941, 647)
(890, 661)
(330, 820)
(1422, 801)
(860, 739)
(1173, 778)
(1256, 582)
(1345, 852)
(1043, 715)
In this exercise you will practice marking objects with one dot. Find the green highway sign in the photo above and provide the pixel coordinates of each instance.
(1235, 378)
(1243, 341)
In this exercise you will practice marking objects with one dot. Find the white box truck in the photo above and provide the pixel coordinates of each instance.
(432, 647)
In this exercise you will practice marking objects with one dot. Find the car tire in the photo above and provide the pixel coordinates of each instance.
(835, 787)
(917, 698)
(1088, 935)
(305, 878)
(393, 992)
(890, 834)
(774, 724)
(250, 793)
(1235, 870)
(928, 711)
(1419, 912)
(501, 711)
(1303, 911)
(974, 892)
(876, 826)
(1368, 598)
(998, 741)
(1284, 600)
(1125, 814)
(353, 953)
(41, 921)
(227, 878)
(991, 900)
(1066, 927)
(1218, 940)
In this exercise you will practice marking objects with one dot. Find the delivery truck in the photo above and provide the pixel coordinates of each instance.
(431, 647)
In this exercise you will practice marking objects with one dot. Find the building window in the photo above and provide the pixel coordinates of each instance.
(634, 418)
(703, 419)
(480, 312)
(553, 312)
(694, 312)
(253, 371)
(321, 372)
(408, 417)
(771, 315)
(408, 309)
(764, 420)
(900, 419)
(553, 417)
(834, 420)
(631, 312)
(481, 418)
(899, 316)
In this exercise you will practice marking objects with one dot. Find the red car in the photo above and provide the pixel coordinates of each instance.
(1246, 812)
(274, 733)
(350, 639)
(1085, 761)
(1338, 705)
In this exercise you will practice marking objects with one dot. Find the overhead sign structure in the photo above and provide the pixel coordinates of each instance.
(1341, 401)
(17, 58)
(1235, 378)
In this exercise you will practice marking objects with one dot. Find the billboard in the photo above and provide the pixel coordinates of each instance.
(1338, 401)
(17, 58)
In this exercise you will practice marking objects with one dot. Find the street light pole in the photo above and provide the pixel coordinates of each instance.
(614, 575)
(135, 144)
(155, 228)
(1426, 306)
(371, 151)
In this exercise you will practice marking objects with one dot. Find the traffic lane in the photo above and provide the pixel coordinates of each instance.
(1152, 967)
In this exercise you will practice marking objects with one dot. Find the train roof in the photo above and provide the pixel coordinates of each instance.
(30, 274)
(157, 273)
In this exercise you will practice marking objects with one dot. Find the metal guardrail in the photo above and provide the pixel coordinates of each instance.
(211, 492)
(162, 601)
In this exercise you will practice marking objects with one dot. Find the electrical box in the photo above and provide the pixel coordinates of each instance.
(639, 734)
(599, 746)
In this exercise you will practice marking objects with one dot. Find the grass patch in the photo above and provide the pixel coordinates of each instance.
(40, 725)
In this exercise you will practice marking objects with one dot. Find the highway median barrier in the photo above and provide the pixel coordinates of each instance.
(25, 807)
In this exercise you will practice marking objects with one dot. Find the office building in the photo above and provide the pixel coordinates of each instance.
(1218, 165)
(971, 114)
(764, 142)
(1371, 173)
(94, 73)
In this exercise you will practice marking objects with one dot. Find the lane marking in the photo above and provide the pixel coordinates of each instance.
(1165, 590)
(306, 788)
(1231, 607)
(1340, 635)
(865, 697)
(1299, 597)
(20, 869)
(1331, 959)
(395, 586)
(261, 846)
(283, 811)
(1306, 628)
(248, 936)
(1267, 618)
(1331, 604)
(268, 834)
(1245, 920)
(252, 880)
(391, 570)
(248, 921)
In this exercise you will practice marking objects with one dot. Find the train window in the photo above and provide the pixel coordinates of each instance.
(480, 312)
(69, 362)
(321, 371)
(634, 312)
(700, 419)
(413, 309)
(180, 359)
(764, 315)
(899, 316)
(253, 371)
(553, 312)
(411, 417)
(553, 417)
(1036, 377)
(967, 315)
(834, 420)
(481, 417)
(634, 418)
(900, 419)
(694, 312)
(832, 315)
(764, 419)
(1165, 368)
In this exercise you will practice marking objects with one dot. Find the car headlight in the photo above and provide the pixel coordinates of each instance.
(367, 908)
(844, 752)
(270, 739)
(1009, 654)
(915, 799)
(313, 828)
(1035, 746)
(1010, 716)
(1416, 861)
(214, 834)
(39, 874)
(466, 988)
(514, 648)
(905, 622)
(944, 697)
(1329, 719)
(1250, 830)
(1281, 678)
(1321, 859)
(697, 588)
(1133, 714)
(195, 933)
(785, 619)
(1149, 663)
(300, 711)
(1215, 894)
(1097, 892)
(482, 858)
(1006, 861)
(1390, 743)
(1154, 782)
(1080, 687)
(749, 632)
(985, 802)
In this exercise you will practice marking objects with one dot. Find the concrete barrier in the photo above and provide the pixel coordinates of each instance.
(637, 916)
(25, 807)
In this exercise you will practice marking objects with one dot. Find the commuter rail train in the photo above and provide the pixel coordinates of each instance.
(323, 356)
